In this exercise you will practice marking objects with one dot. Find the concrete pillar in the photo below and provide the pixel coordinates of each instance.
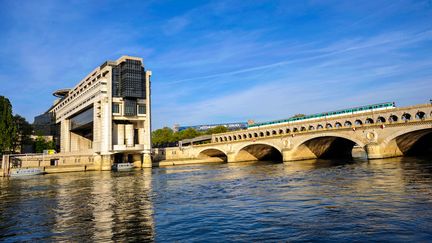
(231, 157)
(136, 160)
(147, 161)
(105, 128)
(129, 133)
(373, 151)
(105, 162)
(5, 165)
(65, 136)
(120, 134)
(300, 153)
(380, 151)
(141, 136)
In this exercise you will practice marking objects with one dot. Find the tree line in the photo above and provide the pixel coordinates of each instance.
(16, 132)
(166, 137)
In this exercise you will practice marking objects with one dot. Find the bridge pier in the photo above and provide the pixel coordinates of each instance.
(231, 157)
(300, 153)
(147, 161)
(381, 151)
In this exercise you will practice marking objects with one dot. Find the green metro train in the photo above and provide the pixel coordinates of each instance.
(360, 109)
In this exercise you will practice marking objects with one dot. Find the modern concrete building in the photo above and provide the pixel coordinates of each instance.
(106, 116)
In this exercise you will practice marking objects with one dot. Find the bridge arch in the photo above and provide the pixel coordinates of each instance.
(260, 151)
(420, 115)
(380, 119)
(328, 145)
(406, 117)
(348, 124)
(410, 141)
(212, 153)
(393, 118)
(369, 121)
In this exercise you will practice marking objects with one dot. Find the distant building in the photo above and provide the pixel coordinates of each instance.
(45, 125)
(203, 128)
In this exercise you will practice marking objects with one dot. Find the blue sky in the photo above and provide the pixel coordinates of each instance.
(223, 61)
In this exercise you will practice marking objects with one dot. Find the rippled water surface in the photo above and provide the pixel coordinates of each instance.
(380, 200)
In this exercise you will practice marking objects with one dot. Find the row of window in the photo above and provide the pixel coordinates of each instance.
(130, 109)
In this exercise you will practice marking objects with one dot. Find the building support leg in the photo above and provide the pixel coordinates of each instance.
(147, 161)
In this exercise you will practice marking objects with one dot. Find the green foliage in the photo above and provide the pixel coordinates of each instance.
(187, 133)
(218, 129)
(7, 126)
(41, 144)
(163, 137)
(23, 132)
(298, 115)
(167, 137)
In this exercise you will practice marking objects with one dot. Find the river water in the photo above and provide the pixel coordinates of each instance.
(360, 200)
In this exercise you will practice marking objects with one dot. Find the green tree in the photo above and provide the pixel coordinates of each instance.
(187, 133)
(298, 115)
(7, 126)
(23, 132)
(162, 137)
(41, 144)
(218, 129)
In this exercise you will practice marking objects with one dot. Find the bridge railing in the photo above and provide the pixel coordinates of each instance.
(381, 125)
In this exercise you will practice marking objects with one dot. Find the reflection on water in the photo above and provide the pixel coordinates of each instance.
(99, 206)
(332, 200)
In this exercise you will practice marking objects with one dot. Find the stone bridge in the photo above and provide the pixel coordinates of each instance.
(382, 134)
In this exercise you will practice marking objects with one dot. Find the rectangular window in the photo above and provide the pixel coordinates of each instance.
(141, 109)
(130, 108)
(116, 108)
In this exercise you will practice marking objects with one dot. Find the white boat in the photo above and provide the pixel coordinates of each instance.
(122, 166)
(26, 172)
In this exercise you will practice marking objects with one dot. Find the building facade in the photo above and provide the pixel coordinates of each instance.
(107, 114)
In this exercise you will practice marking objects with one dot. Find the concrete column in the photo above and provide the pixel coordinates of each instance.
(300, 153)
(65, 136)
(129, 133)
(5, 165)
(105, 162)
(147, 161)
(120, 134)
(380, 151)
(137, 160)
(231, 158)
(105, 126)
(141, 135)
